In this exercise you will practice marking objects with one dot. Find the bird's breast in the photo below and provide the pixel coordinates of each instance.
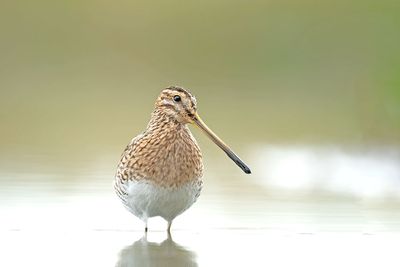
(169, 159)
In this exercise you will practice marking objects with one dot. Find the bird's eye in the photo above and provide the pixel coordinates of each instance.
(177, 98)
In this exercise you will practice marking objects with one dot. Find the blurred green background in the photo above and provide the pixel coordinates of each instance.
(80, 76)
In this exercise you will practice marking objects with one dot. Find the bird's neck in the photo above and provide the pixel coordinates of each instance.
(161, 122)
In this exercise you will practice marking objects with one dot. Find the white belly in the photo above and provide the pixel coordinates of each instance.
(146, 200)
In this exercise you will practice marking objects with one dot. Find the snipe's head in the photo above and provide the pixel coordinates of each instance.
(177, 103)
(180, 105)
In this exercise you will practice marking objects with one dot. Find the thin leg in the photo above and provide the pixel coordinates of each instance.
(145, 226)
(169, 236)
(169, 227)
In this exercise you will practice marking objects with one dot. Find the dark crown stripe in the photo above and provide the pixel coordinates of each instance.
(180, 90)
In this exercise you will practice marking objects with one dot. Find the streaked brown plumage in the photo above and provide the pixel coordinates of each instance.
(160, 171)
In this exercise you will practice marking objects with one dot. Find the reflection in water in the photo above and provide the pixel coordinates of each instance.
(166, 253)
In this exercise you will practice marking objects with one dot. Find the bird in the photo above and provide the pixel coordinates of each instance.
(160, 171)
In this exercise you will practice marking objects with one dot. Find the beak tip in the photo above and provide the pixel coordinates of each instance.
(244, 168)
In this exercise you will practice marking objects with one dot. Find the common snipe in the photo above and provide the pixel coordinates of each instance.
(160, 171)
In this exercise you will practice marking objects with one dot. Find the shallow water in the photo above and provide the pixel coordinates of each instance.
(208, 248)
(49, 219)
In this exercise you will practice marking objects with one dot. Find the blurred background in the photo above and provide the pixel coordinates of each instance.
(306, 92)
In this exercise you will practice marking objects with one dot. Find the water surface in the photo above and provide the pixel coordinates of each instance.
(274, 217)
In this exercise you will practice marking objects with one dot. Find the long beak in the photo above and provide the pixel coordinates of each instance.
(199, 122)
